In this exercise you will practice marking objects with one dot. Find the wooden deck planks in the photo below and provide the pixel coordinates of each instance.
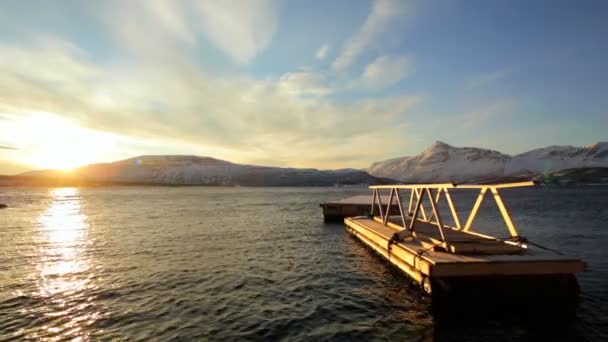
(460, 242)
(438, 263)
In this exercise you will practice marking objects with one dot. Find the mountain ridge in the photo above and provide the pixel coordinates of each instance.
(194, 170)
(442, 162)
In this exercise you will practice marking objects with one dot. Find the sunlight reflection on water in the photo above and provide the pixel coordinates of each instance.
(64, 269)
(64, 227)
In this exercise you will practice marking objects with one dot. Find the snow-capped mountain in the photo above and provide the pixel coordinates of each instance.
(193, 170)
(445, 163)
(556, 158)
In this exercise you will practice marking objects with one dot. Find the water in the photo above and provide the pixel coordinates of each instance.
(211, 263)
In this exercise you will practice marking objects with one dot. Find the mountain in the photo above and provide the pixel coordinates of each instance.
(194, 170)
(445, 163)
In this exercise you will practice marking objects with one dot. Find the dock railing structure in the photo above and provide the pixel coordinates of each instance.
(415, 208)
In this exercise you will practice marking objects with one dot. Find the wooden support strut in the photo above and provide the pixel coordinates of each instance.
(438, 216)
(372, 210)
(437, 198)
(401, 208)
(416, 210)
(379, 201)
(388, 206)
(504, 212)
(476, 206)
(419, 191)
(411, 203)
(448, 198)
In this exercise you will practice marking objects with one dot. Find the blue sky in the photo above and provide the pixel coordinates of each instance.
(322, 84)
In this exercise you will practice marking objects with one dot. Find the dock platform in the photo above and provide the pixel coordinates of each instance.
(336, 211)
(455, 262)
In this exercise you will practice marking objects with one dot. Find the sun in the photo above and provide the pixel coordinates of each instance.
(57, 143)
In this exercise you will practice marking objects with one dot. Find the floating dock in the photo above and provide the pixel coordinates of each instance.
(456, 262)
(337, 211)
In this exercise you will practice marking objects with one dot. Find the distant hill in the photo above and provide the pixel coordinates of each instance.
(445, 163)
(192, 170)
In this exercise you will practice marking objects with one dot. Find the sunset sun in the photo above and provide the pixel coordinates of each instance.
(53, 142)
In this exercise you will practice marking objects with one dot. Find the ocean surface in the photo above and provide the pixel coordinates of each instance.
(214, 263)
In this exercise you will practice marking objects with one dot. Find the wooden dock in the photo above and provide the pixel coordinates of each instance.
(455, 261)
(337, 211)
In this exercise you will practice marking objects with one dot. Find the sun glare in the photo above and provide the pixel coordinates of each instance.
(52, 142)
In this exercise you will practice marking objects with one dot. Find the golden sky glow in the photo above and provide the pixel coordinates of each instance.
(276, 83)
(48, 141)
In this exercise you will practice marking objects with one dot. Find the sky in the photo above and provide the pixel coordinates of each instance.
(323, 84)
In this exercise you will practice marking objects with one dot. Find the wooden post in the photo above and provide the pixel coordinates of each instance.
(379, 201)
(374, 193)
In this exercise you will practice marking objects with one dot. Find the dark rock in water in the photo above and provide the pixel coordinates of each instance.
(2, 206)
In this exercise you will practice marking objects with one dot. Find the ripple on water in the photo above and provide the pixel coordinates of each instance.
(144, 263)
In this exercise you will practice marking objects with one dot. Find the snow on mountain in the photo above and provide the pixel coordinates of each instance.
(193, 170)
(556, 158)
(445, 163)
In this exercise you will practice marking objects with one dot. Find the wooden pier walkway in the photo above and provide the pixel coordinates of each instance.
(434, 254)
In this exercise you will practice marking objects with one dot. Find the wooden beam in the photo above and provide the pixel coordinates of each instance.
(436, 201)
(388, 205)
(418, 194)
(409, 207)
(473, 213)
(452, 208)
(504, 212)
(414, 186)
(439, 223)
(374, 194)
(379, 201)
(401, 208)
(496, 186)
(416, 210)
(452, 185)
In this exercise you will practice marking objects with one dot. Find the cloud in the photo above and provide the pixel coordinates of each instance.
(4, 147)
(382, 15)
(169, 30)
(485, 79)
(304, 83)
(384, 71)
(241, 29)
(181, 105)
(322, 52)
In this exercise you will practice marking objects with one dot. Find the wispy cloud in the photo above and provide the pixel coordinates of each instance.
(4, 147)
(322, 52)
(159, 29)
(384, 72)
(382, 15)
(239, 118)
(486, 79)
(242, 29)
(304, 83)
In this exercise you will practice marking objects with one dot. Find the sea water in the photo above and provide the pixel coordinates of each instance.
(216, 263)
